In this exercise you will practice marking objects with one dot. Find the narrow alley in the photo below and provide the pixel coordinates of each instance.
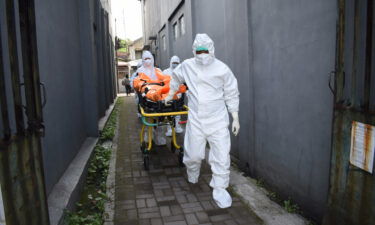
(281, 94)
(162, 195)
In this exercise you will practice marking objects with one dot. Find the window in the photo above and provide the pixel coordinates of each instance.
(175, 30)
(164, 43)
(182, 25)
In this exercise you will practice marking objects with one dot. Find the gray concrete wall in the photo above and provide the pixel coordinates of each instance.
(77, 76)
(58, 32)
(281, 54)
(157, 13)
(293, 48)
(180, 46)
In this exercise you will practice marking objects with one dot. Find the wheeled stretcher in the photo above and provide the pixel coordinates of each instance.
(154, 114)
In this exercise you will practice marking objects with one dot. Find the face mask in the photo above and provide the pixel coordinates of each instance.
(203, 58)
(148, 63)
(174, 65)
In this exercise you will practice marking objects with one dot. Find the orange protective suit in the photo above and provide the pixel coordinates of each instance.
(152, 89)
(138, 82)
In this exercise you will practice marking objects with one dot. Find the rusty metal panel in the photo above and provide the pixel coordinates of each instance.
(352, 195)
(19, 182)
(372, 82)
(2, 216)
(14, 65)
(21, 168)
(5, 125)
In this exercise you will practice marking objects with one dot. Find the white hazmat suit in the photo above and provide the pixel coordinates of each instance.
(134, 75)
(213, 91)
(175, 61)
(148, 69)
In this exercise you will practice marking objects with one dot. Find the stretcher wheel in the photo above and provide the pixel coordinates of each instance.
(146, 162)
(173, 149)
(181, 158)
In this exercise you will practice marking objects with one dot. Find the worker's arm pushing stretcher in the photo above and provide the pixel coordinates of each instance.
(152, 92)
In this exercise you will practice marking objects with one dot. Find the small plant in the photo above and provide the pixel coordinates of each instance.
(90, 209)
(290, 207)
(273, 196)
(260, 183)
(108, 133)
(78, 218)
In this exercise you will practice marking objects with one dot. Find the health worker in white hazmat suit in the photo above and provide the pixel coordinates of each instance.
(175, 61)
(213, 91)
(150, 71)
(134, 75)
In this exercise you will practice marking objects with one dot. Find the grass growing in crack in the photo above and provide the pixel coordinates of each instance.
(273, 196)
(288, 205)
(311, 223)
(90, 208)
(291, 207)
(260, 183)
(109, 130)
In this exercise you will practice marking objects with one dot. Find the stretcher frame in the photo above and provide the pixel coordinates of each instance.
(149, 122)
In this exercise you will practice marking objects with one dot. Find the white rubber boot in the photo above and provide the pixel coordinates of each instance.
(222, 198)
(169, 132)
(179, 129)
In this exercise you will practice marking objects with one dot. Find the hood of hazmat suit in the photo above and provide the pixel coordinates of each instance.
(213, 91)
(174, 60)
(203, 41)
(149, 70)
(169, 71)
(134, 75)
(148, 65)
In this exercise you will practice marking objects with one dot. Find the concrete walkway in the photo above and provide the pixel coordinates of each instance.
(163, 195)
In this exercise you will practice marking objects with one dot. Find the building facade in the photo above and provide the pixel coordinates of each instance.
(135, 49)
(281, 53)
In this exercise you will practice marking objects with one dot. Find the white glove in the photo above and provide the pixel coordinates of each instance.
(235, 123)
(169, 97)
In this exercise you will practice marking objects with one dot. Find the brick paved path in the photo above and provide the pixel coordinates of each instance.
(163, 195)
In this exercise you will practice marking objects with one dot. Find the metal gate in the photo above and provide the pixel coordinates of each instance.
(21, 164)
(352, 190)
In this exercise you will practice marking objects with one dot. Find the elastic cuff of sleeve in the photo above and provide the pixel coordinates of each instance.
(232, 110)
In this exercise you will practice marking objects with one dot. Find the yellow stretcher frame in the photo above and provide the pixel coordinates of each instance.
(152, 117)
